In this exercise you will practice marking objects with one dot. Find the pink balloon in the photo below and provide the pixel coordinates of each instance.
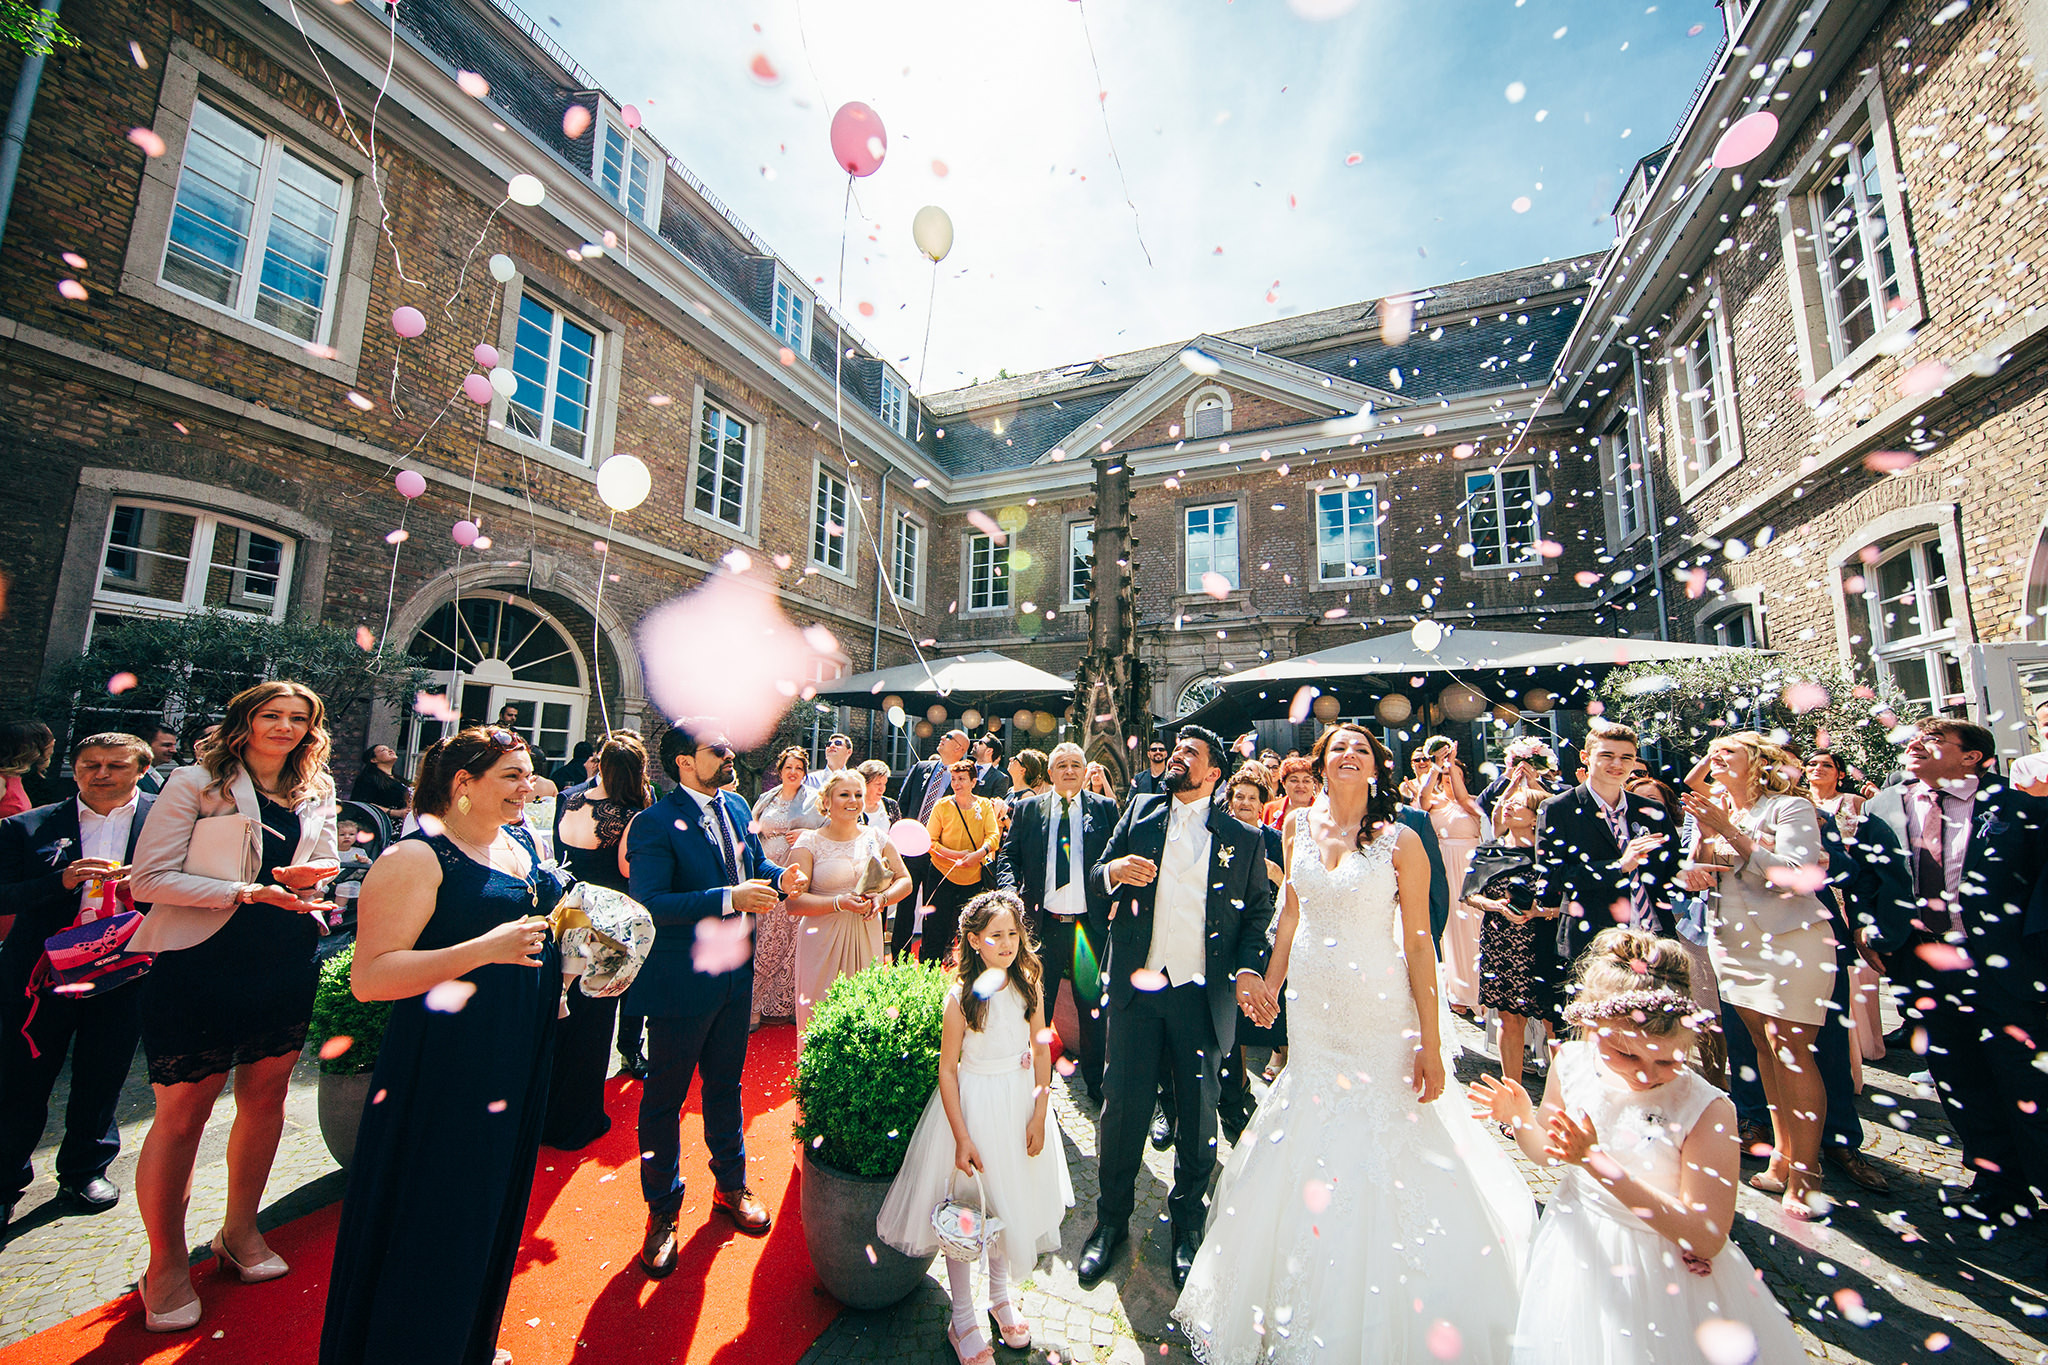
(631, 115)
(466, 532)
(1747, 139)
(408, 321)
(486, 356)
(911, 838)
(477, 389)
(411, 483)
(859, 142)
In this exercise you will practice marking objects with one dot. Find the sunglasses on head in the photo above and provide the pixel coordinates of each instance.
(504, 739)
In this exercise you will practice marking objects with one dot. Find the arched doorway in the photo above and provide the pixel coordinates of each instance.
(502, 650)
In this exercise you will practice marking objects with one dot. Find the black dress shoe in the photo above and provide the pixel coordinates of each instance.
(1162, 1131)
(1097, 1252)
(96, 1194)
(1095, 1093)
(634, 1064)
(1183, 1260)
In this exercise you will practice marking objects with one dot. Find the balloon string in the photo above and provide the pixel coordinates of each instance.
(597, 624)
(1102, 103)
(925, 356)
(462, 275)
(391, 589)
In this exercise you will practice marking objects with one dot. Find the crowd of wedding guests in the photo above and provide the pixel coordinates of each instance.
(1800, 891)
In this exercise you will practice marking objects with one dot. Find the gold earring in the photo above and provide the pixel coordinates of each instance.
(462, 803)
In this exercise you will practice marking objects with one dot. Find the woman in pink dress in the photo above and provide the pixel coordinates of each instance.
(1455, 816)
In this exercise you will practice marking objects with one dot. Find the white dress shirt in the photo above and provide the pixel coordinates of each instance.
(102, 836)
(1180, 901)
(713, 832)
(1068, 900)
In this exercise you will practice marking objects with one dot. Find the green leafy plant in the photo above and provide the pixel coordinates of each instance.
(868, 1066)
(1685, 703)
(338, 1014)
(33, 29)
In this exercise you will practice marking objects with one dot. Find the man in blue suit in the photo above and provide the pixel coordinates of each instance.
(53, 860)
(694, 862)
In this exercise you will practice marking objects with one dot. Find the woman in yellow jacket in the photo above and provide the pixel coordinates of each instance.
(966, 831)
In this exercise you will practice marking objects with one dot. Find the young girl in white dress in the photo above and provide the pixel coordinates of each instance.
(1632, 1258)
(988, 1116)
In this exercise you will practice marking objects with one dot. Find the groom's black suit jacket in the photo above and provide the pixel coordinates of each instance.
(1239, 905)
(1578, 865)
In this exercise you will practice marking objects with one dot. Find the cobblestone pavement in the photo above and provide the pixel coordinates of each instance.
(1924, 1295)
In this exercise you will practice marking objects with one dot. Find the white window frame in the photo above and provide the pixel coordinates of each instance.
(1719, 627)
(1692, 399)
(1210, 398)
(895, 402)
(826, 486)
(1624, 480)
(635, 149)
(1532, 556)
(1934, 645)
(206, 527)
(1191, 580)
(790, 313)
(908, 586)
(261, 220)
(1079, 595)
(562, 319)
(978, 548)
(750, 471)
(1345, 492)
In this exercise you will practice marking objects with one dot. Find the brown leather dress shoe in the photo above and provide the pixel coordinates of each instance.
(748, 1214)
(658, 1251)
(1858, 1168)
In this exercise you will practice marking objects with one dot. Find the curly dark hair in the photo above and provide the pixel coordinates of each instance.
(1383, 806)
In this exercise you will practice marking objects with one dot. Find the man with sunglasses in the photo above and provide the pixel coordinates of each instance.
(694, 861)
(1152, 779)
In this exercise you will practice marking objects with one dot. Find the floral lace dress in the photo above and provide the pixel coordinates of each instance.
(778, 822)
(1352, 1219)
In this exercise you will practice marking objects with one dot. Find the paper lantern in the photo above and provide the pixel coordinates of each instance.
(924, 729)
(892, 702)
(1461, 703)
(1044, 723)
(935, 713)
(970, 718)
(932, 230)
(1022, 720)
(1325, 708)
(1538, 699)
(623, 482)
(1393, 709)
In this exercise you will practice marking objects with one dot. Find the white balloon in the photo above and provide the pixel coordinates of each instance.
(623, 482)
(502, 268)
(932, 230)
(896, 716)
(1427, 635)
(525, 189)
(504, 383)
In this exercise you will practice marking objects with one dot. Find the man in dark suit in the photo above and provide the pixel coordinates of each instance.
(1053, 840)
(1153, 778)
(1417, 819)
(1960, 957)
(54, 862)
(924, 786)
(695, 863)
(1605, 856)
(1183, 887)
(991, 774)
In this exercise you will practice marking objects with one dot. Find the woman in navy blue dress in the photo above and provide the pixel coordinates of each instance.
(452, 930)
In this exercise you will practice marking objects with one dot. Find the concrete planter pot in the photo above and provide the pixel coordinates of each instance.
(342, 1100)
(839, 1212)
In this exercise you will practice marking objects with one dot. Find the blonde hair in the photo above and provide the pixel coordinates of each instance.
(1632, 974)
(304, 772)
(845, 777)
(1770, 765)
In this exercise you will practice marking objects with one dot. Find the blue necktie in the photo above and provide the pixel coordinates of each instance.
(723, 838)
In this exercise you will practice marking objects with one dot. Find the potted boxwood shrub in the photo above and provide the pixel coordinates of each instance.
(868, 1065)
(345, 1034)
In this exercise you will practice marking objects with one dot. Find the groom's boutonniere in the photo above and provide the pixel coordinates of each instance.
(1224, 855)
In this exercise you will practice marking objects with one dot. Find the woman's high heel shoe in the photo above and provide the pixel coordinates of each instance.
(183, 1318)
(271, 1267)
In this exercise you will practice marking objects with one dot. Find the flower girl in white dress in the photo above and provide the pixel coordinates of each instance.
(988, 1116)
(1631, 1263)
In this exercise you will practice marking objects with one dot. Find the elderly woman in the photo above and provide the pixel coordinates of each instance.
(783, 812)
(839, 927)
(233, 921)
(966, 830)
(1759, 854)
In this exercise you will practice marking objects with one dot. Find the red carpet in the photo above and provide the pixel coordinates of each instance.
(732, 1299)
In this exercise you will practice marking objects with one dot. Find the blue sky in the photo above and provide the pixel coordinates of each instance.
(1235, 121)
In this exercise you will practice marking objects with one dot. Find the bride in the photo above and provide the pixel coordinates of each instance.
(1359, 1219)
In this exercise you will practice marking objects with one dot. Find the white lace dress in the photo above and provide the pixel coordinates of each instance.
(1605, 1288)
(1354, 1223)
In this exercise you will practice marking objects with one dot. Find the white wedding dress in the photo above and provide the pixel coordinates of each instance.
(1354, 1223)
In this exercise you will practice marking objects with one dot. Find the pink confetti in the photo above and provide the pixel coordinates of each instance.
(1695, 582)
(1354, 158)
(120, 682)
(1803, 880)
(1145, 979)
(498, 1107)
(1397, 323)
(782, 561)
(986, 524)
(360, 401)
(1586, 578)
(763, 70)
(1549, 549)
(786, 356)
(365, 641)
(940, 169)
(1216, 585)
(1443, 1341)
(769, 659)
(472, 85)
(1805, 696)
(867, 310)
(659, 400)
(1943, 957)
(1890, 461)
(820, 639)
(147, 139)
(722, 945)
(1304, 699)
(434, 706)
(575, 122)
(398, 537)
(450, 996)
(1315, 1195)
(74, 260)
(181, 428)
(1929, 376)
(73, 290)
(335, 1046)
(1724, 1341)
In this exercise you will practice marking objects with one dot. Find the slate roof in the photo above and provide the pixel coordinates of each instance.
(976, 447)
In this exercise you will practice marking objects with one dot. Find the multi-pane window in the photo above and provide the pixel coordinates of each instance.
(1853, 244)
(1912, 629)
(256, 228)
(895, 404)
(1704, 394)
(828, 521)
(1347, 534)
(1500, 509)
(988, 574)
(792, 309)
(1080, 562)
(1626, 492)
(906, 569)
(166, 560)
(555, 362)
(898, 750)
(721, 490)
(1732, 630)
(625, 173)
(1211, 545)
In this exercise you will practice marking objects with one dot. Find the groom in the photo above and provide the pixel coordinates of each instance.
(1185, 890)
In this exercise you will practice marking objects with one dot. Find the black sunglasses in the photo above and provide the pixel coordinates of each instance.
(721, 750)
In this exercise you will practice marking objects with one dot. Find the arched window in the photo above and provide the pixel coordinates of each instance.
(1197, 694)
(1208, 413)
(1906, 592)
(502, 651)
(1733, 628)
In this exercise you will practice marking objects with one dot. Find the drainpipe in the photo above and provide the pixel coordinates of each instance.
(881, 567)
(17, 123)
(1642, 445)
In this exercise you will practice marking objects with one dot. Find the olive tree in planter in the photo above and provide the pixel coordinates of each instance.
(868, 1065)
(353, 1031)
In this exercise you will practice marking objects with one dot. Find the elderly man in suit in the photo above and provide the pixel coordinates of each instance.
(1183, 887)
(1604, 855)
(1966, 969)
(694, 861)
(55, 862)
(1053, 840)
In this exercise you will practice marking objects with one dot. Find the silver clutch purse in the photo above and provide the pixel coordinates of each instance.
(609, 931)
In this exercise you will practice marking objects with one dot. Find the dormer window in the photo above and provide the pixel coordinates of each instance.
(895, 403)
(626, 174)
(792, 314)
